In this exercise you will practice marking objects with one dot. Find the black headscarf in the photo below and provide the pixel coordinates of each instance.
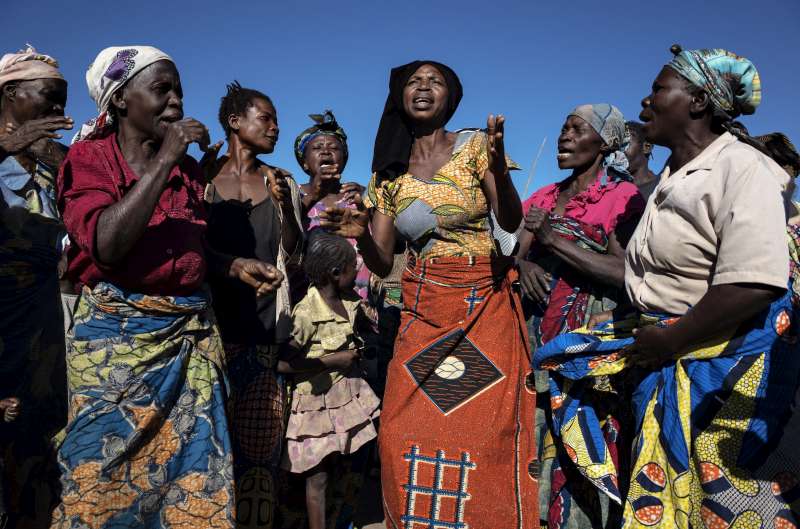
(396, 132)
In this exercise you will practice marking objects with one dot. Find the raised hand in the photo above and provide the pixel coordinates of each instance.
(537, 221)
(10, 408)
(16, 139)
(496, 150)
(279, 186)
(351, 191)
(178, 137)
(208, 163)
(263, 277)
(347, 222)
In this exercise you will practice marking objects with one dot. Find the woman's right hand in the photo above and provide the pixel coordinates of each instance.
(534, 280)
(342, 360)
(15, 139)
(178, 137)
(348, 222)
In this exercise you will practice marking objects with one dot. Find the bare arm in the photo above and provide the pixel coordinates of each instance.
(497, 185)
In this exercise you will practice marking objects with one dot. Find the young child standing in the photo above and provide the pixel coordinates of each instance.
(333, 408)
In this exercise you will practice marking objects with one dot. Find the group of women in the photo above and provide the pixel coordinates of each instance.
(659, 320)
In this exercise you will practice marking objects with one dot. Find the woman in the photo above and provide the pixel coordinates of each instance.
(455, 443)
(713, 360)
(253, 211)
(571, 261)
(33, 94)
(321, 150)
(147, 442)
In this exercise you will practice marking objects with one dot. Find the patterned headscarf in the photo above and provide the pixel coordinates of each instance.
(732, 82)
(325, 125)
(109, 72)
(609, 123)
(27, 65)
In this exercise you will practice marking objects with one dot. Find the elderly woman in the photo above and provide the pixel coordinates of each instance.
(455, 440)
(712, 365)
(571, 260)
(33, 95)
(147, 443)
(253, 211)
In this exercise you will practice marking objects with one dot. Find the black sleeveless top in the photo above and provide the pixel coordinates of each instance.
(242, 229)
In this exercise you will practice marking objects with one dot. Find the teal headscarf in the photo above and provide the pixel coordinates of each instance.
(609, 123)
(732, 82)
(325, 123)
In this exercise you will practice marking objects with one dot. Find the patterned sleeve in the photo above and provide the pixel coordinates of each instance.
(478, 155)
(381, 196)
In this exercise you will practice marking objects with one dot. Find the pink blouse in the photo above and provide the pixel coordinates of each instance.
(600, 205)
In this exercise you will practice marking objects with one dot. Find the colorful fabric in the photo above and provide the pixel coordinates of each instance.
(455, 438)
(147, 442)
(395, 131)
(604, 206)
(362, 272)
(169, 257)
(732, 82)
(110, 70)
(609, 123)
(712, 447)
(325, 125)
(447, 215)
(31, 341)
(27, 65)
(256, 408)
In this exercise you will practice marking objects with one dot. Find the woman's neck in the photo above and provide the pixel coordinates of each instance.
(136, 147)
(583, 177)
(689, 145)
(242, 158)
(429, 142)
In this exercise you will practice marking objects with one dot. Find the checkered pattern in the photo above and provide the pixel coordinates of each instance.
(432, 520)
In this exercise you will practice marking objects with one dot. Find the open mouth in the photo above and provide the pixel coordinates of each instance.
(563, 154)
(422, 102)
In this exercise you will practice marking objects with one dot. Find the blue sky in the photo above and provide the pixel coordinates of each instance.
(531, 60)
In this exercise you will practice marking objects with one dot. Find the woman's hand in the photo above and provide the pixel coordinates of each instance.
(208, 163)
(351, 223)
(263, 277)
(534, 280)
(654, 345)
(598, 318)
(342, 360)
(178, 137)
(16, 139)
(495, 127)
(351, 190)
(537, 221)
(279, 187)
(10, 408)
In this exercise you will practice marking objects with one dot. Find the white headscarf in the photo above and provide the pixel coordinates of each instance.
(109, 72)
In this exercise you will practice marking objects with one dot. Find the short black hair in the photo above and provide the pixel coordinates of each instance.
(325, 253)
(236, 101)
(636, 130)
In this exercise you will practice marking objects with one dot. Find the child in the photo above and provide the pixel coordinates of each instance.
(333, 408)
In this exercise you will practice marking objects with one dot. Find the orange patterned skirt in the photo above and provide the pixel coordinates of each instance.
(456, 437)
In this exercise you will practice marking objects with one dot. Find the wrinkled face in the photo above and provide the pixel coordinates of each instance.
(151, 99)
(666, 111)
(579, 144)
(323, 153)
(258, 126)
(425, 96)
(35, 99)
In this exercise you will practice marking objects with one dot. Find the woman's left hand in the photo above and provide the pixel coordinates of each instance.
(208, 163)
(351, 190)
(279, 187)
(263, 277)
(537, 221)
(654, 345)
(495, 128)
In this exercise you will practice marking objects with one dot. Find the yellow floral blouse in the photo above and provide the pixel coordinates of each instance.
(320, 331)
(447, 216)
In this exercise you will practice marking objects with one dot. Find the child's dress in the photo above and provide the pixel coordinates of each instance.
(331, 411)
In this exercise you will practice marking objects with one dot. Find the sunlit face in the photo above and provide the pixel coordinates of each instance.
(258, 126)
(425, 96)
(579, 145)
(152, 99)
(323, 155)
(666, 111)
(347, 277)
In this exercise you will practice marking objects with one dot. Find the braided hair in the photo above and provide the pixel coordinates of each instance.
(236, 102)
(326, 255)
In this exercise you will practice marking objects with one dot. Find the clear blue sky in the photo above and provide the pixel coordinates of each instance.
(532, 60)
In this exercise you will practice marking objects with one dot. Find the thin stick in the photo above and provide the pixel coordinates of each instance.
(533, 168)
